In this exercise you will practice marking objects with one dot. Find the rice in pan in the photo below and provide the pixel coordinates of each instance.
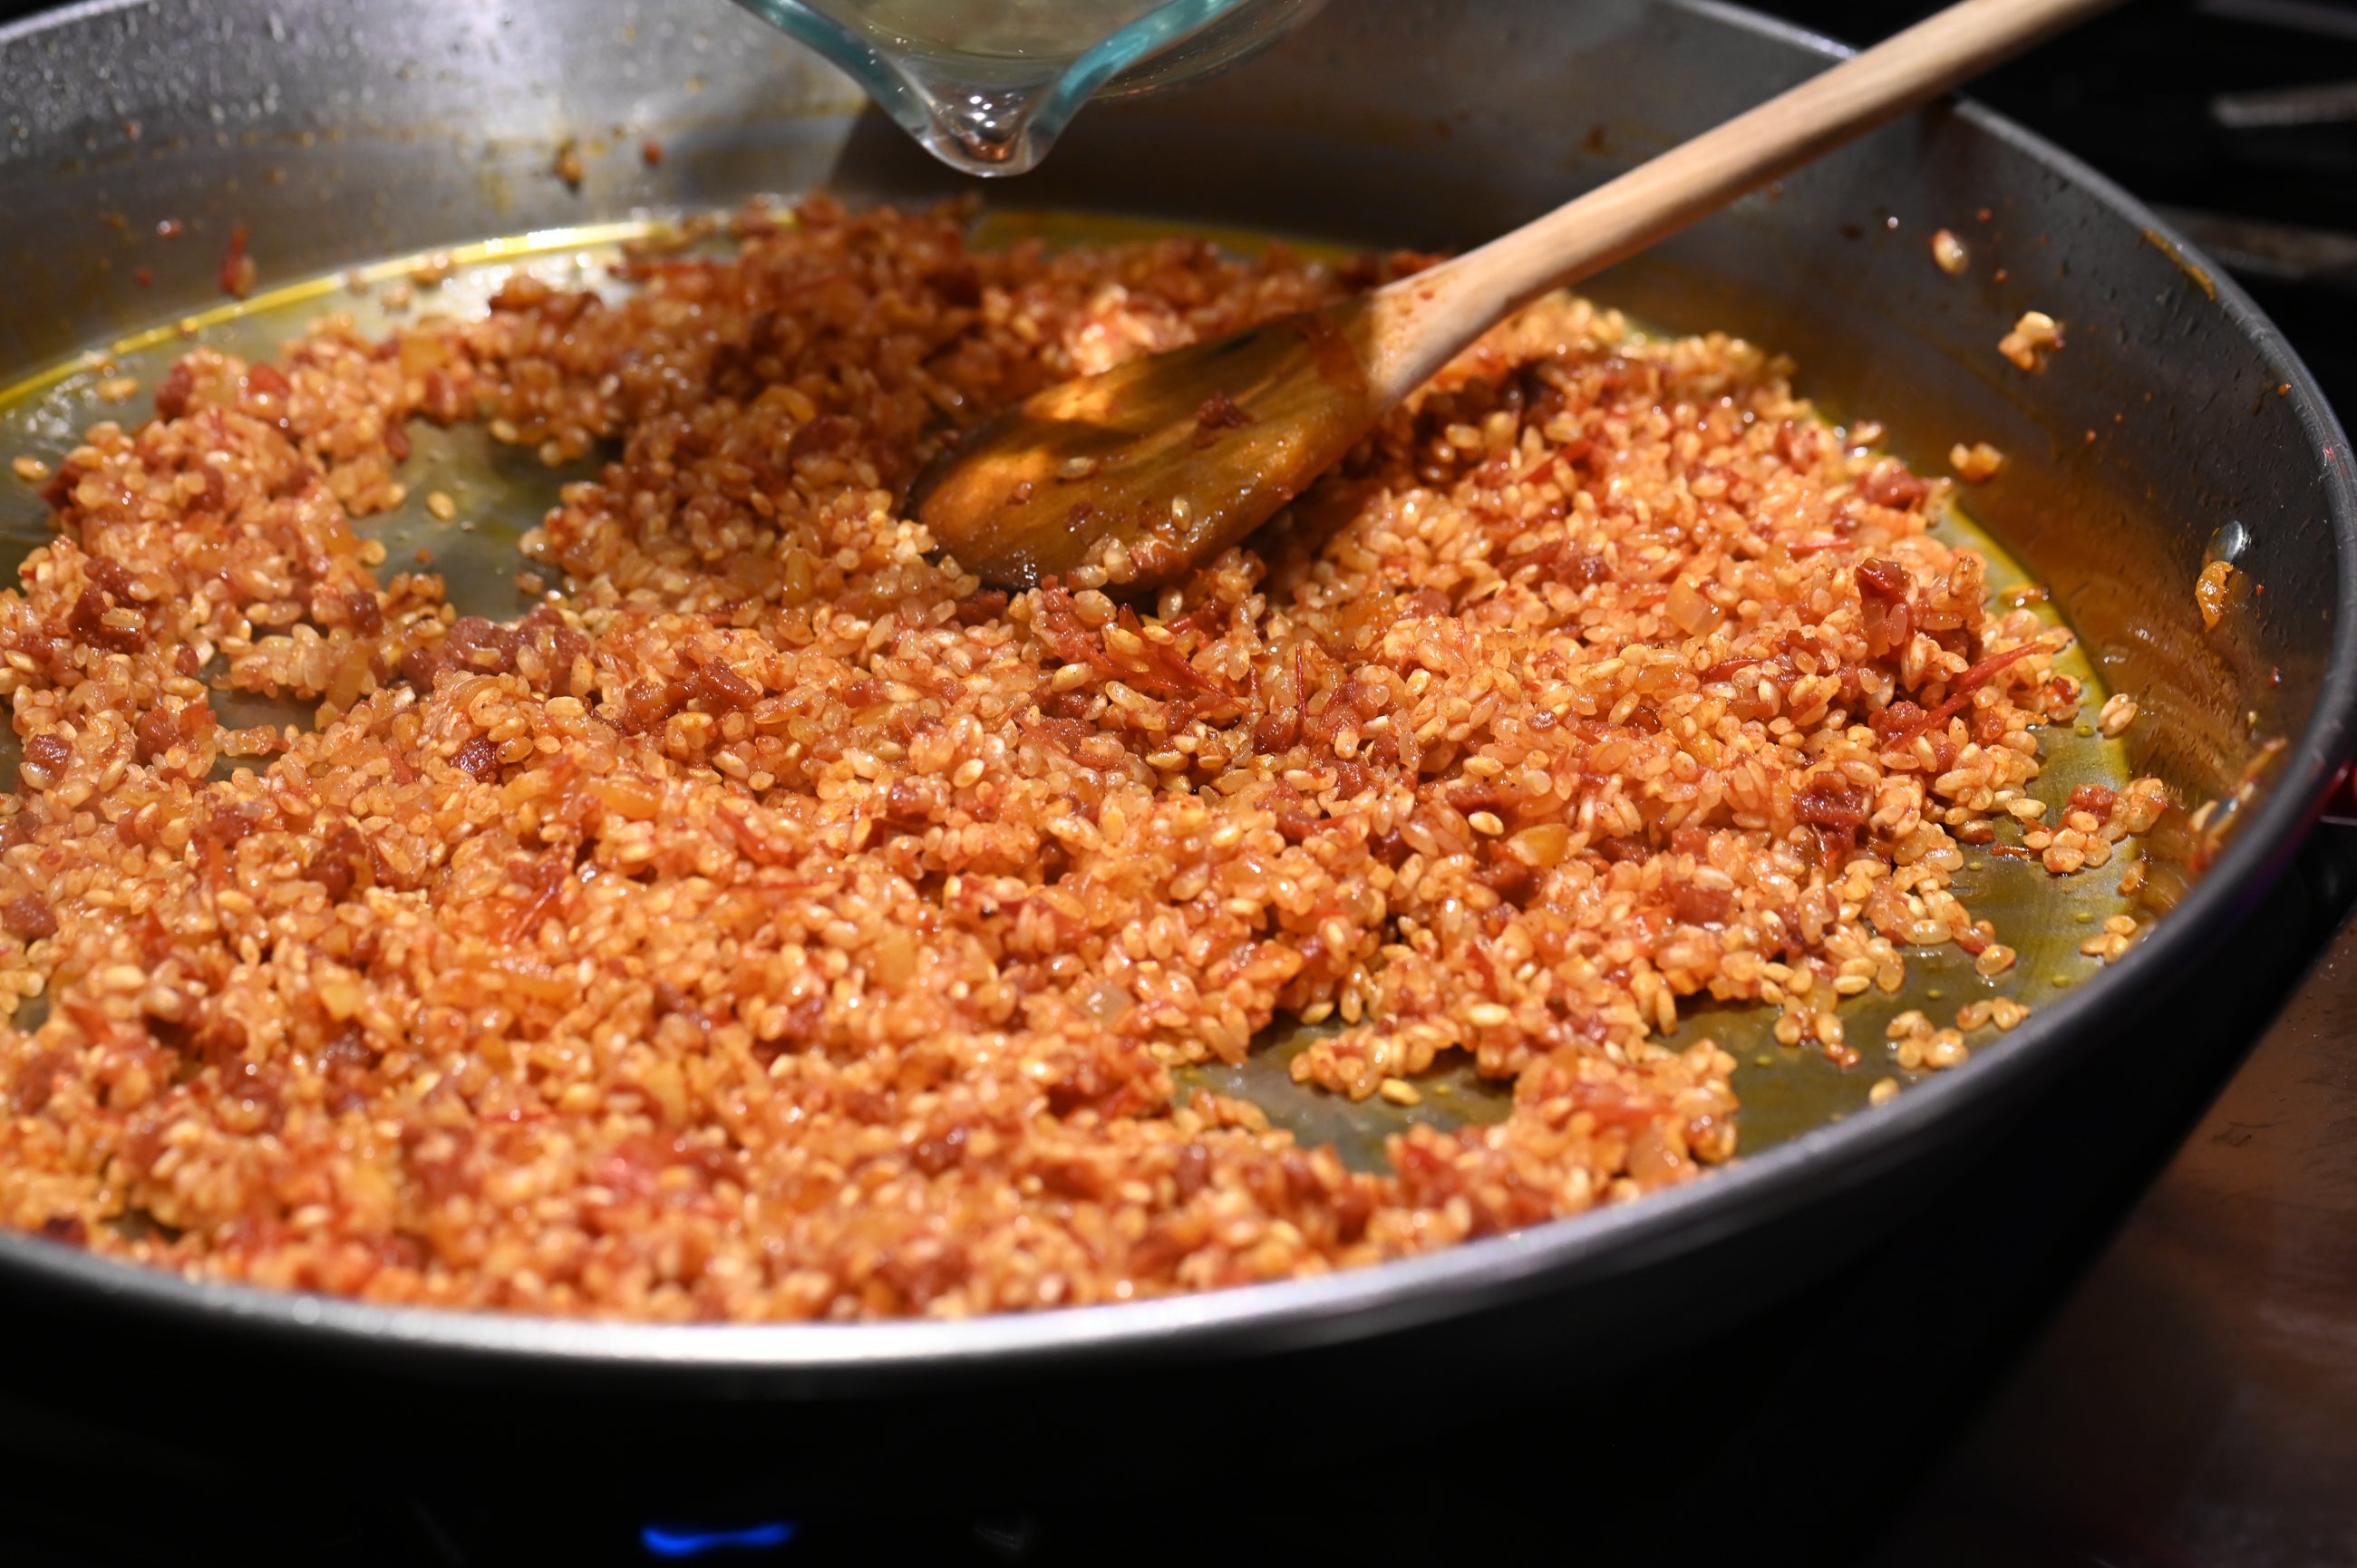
(778, 924)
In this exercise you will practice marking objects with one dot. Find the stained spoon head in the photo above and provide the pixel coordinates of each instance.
(1156, 464)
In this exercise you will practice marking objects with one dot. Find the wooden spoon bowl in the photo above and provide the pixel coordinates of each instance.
(1154, 465)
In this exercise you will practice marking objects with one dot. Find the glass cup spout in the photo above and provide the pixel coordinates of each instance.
(987, 85)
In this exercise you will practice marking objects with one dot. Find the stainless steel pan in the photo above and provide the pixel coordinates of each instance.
(2176, 422)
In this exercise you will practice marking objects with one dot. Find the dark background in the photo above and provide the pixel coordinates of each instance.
(2151, 95)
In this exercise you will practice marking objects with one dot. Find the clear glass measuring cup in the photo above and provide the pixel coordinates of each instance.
(987, 85)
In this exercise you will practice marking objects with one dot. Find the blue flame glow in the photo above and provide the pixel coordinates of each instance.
(667, 1541)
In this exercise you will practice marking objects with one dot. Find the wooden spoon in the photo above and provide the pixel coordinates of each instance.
(1158, 464)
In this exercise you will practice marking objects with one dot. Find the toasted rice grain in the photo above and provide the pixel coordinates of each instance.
(2033, 338)
(1977, 464)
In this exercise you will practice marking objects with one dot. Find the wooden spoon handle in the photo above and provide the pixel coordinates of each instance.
(1422, 321)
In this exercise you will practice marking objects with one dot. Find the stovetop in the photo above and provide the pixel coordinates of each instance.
(2195, 1402)
(2173, 1389)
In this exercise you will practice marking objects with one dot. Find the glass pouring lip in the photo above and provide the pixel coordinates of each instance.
(1020, 131)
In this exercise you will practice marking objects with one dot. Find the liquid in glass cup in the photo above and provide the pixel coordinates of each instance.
(987, 85)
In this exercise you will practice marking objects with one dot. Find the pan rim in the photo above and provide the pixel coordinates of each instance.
(1358, 1303)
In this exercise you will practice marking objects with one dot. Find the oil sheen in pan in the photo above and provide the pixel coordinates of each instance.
(499, 492)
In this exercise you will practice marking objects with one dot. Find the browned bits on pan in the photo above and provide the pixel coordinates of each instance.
(773, 924)
(1889, 484)
(1219, 413)
(479, 758)
(2096, 800)
(65, 1230)
(237, 269)
(2212, 591)
(27, 918)
(171, 736)
(45, 761)
(1831, 801)
(1882, 581)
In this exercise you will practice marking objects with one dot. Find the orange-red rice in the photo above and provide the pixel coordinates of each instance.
(779, 925)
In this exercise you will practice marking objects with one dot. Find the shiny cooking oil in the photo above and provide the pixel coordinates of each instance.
(500, 492)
